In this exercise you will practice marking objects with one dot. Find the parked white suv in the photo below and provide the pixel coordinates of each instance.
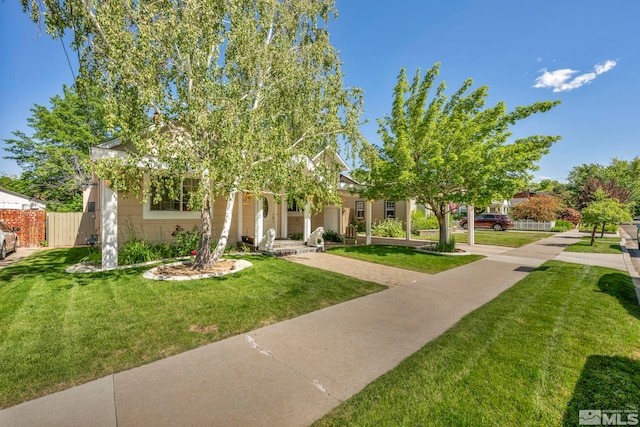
(8, 239)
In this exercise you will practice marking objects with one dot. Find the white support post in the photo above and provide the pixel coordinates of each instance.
(240, 201)
(471, 219)
(284, 216)
(109, 235)
(367, 220)
(408, 219)
(307, 222)
(258, 222)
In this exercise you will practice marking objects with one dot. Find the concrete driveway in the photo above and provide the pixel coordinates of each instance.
(19, 255)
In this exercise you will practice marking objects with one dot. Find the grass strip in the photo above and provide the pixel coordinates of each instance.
(406, 257)
(60, 330)
(511, 239)
(601, 245)
(563, 339)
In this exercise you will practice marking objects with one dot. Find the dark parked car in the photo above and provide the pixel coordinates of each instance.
(8, 239)
(488, 220)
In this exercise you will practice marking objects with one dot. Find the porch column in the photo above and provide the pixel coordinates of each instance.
(367, 220)
(109, 234)
(471, 219)
(284, 216)
(307, 222)
(239, 200)
(258, 220)
(408, 219)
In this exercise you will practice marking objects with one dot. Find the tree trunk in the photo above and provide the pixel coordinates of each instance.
(602, 231)
(203, 257)
(440, 212)
(224, 235)
(593, 234)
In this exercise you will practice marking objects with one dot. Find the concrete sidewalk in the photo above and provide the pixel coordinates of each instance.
(293, 372)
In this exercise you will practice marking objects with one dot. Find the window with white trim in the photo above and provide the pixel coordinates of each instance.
(389, 209)
(181, 203)
(360, 209)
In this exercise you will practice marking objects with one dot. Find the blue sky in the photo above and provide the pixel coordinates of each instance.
(584, 53)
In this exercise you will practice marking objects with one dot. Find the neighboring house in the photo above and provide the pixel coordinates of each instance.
(524, 196)
(26, 213)
(13, 200)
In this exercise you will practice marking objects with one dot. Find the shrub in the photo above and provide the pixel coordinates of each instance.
(136, 251)
(186, 241)
(296, 236)
(421, 222)
(571, 215)
(332, 236)
(359, 225)
(562, 226)
(390, 227)
(537, 208)
(449, 246)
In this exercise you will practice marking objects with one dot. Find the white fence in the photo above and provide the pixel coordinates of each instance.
(527, 225)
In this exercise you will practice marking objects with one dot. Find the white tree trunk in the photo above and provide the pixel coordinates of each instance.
(203, 257)
(224, 234)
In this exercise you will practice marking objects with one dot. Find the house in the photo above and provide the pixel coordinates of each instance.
(12, 200)
(121, 217)
(26, 213)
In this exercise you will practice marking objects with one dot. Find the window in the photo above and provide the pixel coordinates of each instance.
(181, 203)
(91, 206)
(389, 209)
(360, 209)
(292, 206)
(176, 207)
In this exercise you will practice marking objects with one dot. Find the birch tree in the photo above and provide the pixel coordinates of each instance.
(450, 150)
(245, 91)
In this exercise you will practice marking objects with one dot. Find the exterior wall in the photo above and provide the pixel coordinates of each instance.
(377, 209)
(132, 224)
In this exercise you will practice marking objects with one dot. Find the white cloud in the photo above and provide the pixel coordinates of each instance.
(561, 80)
(603, 68)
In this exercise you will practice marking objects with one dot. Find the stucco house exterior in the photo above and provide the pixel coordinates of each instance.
(121, 217)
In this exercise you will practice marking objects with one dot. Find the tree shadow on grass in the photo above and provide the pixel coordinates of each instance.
(621, 286)
(607, 383)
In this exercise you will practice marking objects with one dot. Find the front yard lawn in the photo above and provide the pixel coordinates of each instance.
(565, 338)
(404, 257)
(511, 239)
(60, 330)
(604, 245)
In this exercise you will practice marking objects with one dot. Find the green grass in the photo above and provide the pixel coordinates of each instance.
(511, 239)
(565, 338)
(60, 329)
(604, 245)
(404, 257)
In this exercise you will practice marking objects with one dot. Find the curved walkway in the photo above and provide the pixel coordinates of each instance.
(293, 372)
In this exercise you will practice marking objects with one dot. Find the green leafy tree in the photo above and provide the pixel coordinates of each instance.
(558, 189)
(602, 211)
(450, 149)
(620, 180)
(246, 93)
(55, 158)
(537, 208)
